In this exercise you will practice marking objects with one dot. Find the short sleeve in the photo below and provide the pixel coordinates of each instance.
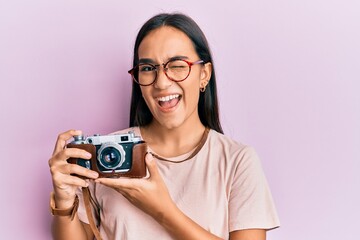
(250, 201)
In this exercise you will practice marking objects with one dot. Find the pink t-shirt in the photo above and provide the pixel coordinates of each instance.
(222, 188)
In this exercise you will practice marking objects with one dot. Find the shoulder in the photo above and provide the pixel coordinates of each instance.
(231, 149)
(220, 140)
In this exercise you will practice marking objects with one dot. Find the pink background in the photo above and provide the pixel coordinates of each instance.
(288, 76)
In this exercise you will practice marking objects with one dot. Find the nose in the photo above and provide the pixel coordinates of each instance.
(162, 81)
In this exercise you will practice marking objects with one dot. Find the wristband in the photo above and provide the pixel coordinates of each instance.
(63, 212)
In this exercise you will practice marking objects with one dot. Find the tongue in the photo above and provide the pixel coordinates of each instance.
(169, 104)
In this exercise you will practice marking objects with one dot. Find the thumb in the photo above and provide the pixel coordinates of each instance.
(151, 165)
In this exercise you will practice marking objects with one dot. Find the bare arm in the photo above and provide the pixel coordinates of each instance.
(248, 234)
(182, 227)
(64, 228)
(151, 196)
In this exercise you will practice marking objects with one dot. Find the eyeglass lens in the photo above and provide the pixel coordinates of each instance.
(176, 70)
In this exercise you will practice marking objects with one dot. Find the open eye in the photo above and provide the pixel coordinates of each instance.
(146, 68)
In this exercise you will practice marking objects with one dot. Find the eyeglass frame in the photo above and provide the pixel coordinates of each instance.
(156, 66)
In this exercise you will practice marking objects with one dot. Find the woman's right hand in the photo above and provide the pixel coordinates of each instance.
(65, 184)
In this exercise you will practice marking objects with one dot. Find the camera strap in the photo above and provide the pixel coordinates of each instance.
(87, 202)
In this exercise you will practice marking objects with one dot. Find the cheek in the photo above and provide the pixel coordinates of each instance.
(192, 91)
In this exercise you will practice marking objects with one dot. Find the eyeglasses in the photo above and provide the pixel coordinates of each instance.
(176, 70)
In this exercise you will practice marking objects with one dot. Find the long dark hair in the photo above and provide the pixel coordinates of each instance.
(208, 108)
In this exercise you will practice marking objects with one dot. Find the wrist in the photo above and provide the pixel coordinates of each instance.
(167, 218)
(63, 203)
(68, 208)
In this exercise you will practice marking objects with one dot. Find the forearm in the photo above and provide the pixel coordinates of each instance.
(63, 228)
(181, 227)
(67, 226)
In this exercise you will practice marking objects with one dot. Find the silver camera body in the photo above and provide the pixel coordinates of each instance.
(113, 152)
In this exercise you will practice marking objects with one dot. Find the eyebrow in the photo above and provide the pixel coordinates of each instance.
(151, 61)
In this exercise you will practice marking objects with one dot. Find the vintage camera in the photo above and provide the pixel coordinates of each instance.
(112, 155)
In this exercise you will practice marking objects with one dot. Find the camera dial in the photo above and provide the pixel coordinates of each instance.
(79, 139)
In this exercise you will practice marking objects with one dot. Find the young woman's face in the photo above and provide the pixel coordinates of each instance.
(173, 104)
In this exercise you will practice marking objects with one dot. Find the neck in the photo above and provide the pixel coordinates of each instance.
(178, 140)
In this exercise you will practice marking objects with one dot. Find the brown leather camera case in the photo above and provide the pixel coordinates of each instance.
(138, 168)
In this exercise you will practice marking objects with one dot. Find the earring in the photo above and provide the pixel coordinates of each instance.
(203, 86)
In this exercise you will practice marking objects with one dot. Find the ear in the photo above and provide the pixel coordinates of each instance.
(205, 76)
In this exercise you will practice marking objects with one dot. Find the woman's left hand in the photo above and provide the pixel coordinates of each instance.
(152, 197)
(148, 194)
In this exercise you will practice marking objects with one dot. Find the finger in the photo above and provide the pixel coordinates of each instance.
(73, 169)
(62, 157)
(72, 153)
(63, 138)
(151, 165)
(81, 171)
(70, 180)
(124, 183)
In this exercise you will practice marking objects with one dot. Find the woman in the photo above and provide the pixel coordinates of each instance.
(210, 189)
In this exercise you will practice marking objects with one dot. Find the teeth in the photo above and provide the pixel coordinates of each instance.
(167, 98)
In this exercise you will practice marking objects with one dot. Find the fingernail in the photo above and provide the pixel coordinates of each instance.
(88, 155)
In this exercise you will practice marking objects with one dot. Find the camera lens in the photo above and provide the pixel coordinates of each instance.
(111, 156)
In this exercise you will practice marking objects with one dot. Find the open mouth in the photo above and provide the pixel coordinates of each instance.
(169, 101)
